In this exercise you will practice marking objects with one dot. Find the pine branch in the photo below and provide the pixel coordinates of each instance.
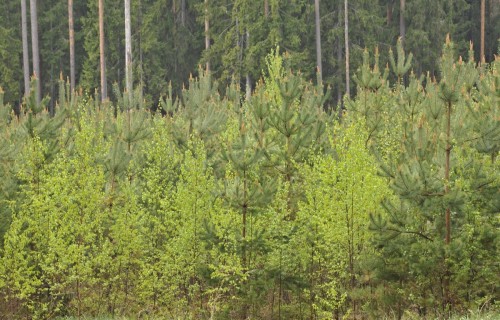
(420, 234)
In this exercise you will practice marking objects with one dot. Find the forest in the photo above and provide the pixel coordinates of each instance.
(250, 160)
(96, 45)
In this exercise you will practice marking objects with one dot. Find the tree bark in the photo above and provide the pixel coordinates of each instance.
(26, 58)
(128, 52)
(71, 45)
(483, 13)
(104, 89)
(34, 48)
(402, 23)
(346, 36)
(318, 41)
(266, 8)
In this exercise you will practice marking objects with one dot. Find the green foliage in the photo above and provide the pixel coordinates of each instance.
(296, 124)
(242, 36)
(400, 65)
(264, 208)
(8, 155)
(159, 174)
(56, 255)
(171, 44)
(63, 241)
(342, 190)
(200, 113)
(370, 78)
(10, 51)
(435, 122)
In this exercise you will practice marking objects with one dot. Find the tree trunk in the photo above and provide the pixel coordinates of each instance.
(318, 41)
(346, 36)
(447, 171)
(339, 59)
(402, 24)
(26, 58)
(446, 282)
(339, 75)
(266, 8)
(71, 45)
(104, 89)
(483, 13)
(139, 48)
(207, 36)
(128, 52)
(34, 48)
(248, 80)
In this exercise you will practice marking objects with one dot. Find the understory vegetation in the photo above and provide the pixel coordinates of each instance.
(268, 207)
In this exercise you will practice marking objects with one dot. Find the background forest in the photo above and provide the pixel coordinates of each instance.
(169, 39)
(267, 207)
(244, 191)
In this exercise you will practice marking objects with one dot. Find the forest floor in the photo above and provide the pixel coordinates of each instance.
(473, 315)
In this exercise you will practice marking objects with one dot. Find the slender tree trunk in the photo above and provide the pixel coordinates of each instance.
(483, 13)
(34, 47)
(71, 45)
(447, 171)
(52, 77)
(312, 294)
(318, 41)
(280, 285)
(339, 58)
(248, 87)
(128, 52)
(104, 89)
(339, 75)
(266, 8)
(248, 81)
(139, 44)
(446, 282)
(346, 36)
(239, 44)
(244, 221)
(207, 35)
(402, 24)
(26, 58)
